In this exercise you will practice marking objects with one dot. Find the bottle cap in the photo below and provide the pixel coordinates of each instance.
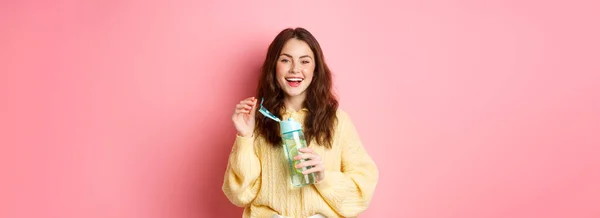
(266, 112)
(289, 125)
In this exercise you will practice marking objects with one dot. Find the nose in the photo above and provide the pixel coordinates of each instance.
(295, 69)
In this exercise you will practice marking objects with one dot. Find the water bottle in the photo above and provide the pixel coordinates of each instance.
(293, 139)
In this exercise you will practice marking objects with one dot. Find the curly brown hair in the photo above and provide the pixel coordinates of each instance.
(320, 100)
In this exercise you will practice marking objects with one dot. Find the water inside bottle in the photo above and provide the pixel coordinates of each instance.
(291, 145)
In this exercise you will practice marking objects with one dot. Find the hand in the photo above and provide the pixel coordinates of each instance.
(314, 163)
(243, 117)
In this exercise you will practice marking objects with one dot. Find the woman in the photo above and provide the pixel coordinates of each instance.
(295, 82)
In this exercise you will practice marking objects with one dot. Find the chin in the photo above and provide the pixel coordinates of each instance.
(294, 93)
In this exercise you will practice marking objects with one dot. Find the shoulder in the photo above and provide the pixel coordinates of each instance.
(341, 113)
(343, 117)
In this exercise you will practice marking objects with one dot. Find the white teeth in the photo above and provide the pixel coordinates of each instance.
(294, 79)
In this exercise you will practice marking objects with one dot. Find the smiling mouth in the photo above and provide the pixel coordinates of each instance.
(294, 82)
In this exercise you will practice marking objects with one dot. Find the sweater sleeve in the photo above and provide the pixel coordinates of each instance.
(242, 176)
(349, 191)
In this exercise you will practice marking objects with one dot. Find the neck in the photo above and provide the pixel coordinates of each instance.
(294, 103)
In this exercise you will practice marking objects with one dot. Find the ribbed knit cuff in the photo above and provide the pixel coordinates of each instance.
(243, 144)
(327, 183)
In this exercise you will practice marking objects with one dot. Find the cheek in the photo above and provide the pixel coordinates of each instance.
(312, 71)
(280, 70)
(311, 77)
(311, 74)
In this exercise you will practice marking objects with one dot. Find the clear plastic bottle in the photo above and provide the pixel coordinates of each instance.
(293, 139)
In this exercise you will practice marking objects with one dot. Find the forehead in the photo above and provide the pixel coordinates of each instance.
(296, 48)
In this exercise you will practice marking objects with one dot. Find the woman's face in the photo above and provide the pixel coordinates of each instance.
(295, 68)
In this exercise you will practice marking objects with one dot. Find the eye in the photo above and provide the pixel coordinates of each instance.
(285, 60)
(305, 62)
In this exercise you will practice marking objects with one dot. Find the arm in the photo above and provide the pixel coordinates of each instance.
(242, 176)
(349, 192)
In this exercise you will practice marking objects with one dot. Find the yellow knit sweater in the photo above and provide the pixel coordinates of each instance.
(257, 176)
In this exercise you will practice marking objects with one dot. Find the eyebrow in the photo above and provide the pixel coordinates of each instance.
(304, 56)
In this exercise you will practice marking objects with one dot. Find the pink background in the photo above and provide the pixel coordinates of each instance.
(470, 109)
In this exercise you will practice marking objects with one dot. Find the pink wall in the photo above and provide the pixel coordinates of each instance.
(122, 108)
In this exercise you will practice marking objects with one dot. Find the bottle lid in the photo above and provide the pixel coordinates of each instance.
(289, 125)
(266, 112)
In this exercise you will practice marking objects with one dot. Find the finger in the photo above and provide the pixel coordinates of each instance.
(318, 168)
(253, 108)
(310, 163)
(307, 150)
(240, 106)
(307, 156)
(248, 101)
(241, 111)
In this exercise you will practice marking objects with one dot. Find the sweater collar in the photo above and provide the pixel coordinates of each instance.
(289, 111)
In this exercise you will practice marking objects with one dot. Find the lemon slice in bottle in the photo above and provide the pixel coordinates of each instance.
(293, 153)
(298, 170)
